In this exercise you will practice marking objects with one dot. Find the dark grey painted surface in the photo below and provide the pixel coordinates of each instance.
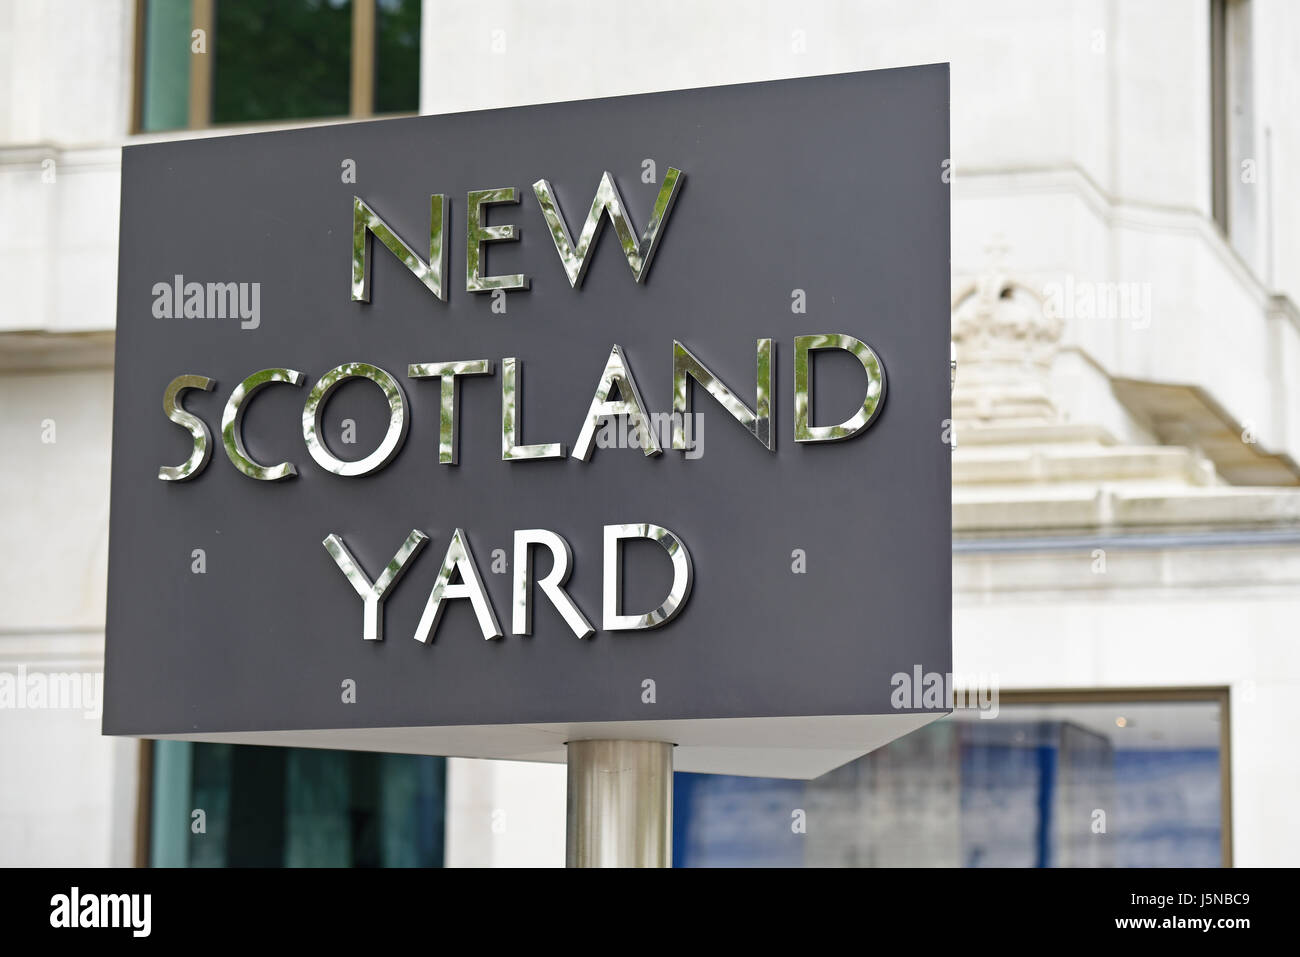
(829, 184)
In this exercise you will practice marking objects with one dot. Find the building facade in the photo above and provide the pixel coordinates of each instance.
(1126, 273)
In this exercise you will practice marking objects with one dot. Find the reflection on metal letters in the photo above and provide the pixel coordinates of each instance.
(617, 373)
(313, 411)
(552, 585)
(875, 398)
(372, 595)
(366, 223)
(232, 425)
(758, 423)
(683, 575)
(477, 232)
(459, 559)
(449, 414)
(512, 376)
(191, 423)
(638, 252)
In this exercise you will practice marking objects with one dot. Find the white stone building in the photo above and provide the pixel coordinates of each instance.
(1126, 272)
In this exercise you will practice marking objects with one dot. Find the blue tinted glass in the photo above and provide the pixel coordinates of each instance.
(1134, 784)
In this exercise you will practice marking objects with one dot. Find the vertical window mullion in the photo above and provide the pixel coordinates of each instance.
(202, 17)
(363, 58)
(137, 66)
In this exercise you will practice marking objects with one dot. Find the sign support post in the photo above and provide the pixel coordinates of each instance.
(620, 804)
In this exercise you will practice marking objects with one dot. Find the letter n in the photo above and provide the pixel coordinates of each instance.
(366, 223)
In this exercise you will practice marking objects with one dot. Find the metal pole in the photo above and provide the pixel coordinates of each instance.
(620, 804)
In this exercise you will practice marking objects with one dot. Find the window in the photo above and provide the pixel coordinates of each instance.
(1078, 779)
(222, 805)
(205, 62)
(1234, 159)
(1218, 114)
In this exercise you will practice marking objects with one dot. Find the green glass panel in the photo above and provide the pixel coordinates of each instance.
(318, 832)
(169, 844)
(294, 807)
(411, 818)
(397, 56)
(166, 62)
(286, 60)
(210, 793)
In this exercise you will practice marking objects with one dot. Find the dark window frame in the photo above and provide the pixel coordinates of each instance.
(362, 87)
(1144, 695)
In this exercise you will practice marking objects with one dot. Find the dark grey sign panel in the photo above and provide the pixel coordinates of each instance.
(820, 569)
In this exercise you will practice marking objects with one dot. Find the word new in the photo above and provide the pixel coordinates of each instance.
(574, 256)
